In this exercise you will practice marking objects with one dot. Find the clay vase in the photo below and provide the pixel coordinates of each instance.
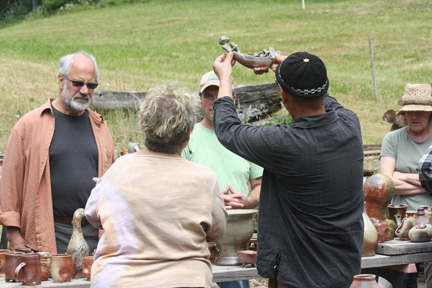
(378, 192)
(420, 233)
(29, 270)
(370, 238)
(87, 265)
(396, 212)
(407, 223)
(364, 281)
(238, 232)
(12, 259)
(61, 268)
(78, 247)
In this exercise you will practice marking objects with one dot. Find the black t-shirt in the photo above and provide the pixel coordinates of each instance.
(73, 156)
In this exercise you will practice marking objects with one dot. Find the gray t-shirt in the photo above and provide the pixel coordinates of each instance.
(407, 153)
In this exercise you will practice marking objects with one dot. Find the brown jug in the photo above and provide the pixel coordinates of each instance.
(378, 192)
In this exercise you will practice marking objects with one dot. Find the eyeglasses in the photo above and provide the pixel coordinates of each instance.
(79, 84)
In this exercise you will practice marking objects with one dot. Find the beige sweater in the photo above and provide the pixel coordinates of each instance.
(157, 213)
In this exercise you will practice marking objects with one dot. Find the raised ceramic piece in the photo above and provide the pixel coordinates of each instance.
(266, 58)
(247, 257)
(238, 232)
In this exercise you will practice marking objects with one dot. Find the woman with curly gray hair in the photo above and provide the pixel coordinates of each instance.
(157, 209)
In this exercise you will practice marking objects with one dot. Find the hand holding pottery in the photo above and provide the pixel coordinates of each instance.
(264, 59)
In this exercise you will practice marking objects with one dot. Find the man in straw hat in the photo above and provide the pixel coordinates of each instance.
(310, 227)
(402, 149)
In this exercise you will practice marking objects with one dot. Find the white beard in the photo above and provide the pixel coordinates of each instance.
(72, 103)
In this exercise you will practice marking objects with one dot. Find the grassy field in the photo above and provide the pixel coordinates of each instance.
(144, 44)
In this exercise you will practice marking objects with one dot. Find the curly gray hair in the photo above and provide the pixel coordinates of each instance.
(165, 115)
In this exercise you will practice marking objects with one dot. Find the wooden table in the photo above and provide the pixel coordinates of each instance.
(394, 252)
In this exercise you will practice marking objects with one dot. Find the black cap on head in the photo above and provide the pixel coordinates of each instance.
(303, 75)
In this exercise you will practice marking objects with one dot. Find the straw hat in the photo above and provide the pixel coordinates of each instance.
(417, 97)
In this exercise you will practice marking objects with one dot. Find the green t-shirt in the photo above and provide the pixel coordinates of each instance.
(407, 153)
(230, 169)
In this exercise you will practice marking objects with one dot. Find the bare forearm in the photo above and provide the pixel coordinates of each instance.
(14, 237)
(407, 184)
(253, 200)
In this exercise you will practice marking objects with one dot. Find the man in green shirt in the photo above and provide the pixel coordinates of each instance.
(239, 179)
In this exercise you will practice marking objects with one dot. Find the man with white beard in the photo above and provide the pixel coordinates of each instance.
(52, 154)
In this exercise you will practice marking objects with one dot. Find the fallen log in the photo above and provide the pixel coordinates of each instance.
(254, 102)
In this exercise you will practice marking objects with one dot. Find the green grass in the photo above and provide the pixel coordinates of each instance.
(144, 44)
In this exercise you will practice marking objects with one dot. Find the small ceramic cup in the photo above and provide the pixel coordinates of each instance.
(12, 259)
(45, 268)
(87, 264)
(2, 260)
(29, 270)
(61, 268)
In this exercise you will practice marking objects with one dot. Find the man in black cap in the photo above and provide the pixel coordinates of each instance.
(310, 226)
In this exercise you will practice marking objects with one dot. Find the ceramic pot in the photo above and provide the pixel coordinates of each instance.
(61, 268)
(238, 232)
(378, 192)
(247, 257)
(420, 233)
(29, 270)
(370, 238)
(407, 223)
(364, 281)
(12, 259)
(396, 212)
